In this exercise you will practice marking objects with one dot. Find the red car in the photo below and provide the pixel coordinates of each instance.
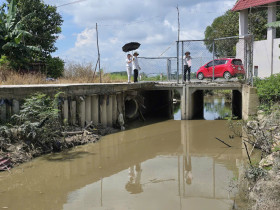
(224, 67)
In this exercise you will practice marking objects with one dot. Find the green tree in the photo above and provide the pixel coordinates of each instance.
(227, 25)
(45, 23)
(12, 35)
(54, 67)
(223, 26)
(275, 24)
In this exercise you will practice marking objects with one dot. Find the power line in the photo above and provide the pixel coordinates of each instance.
(74, 2)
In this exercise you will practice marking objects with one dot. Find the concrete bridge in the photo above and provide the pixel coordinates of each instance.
(104, 103)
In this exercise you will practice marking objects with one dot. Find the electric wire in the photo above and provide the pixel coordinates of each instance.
(74, 2)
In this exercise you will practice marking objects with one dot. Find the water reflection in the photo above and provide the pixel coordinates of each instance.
(167, 165)
(133, 185)
(216, 108)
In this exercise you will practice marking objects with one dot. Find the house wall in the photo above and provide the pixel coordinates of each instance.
(262, 58)
(276, 56)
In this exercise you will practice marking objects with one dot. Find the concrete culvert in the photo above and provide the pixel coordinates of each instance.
(131, 108)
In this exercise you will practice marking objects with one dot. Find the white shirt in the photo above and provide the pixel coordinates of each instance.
(188, 61)
(128, 63)
(135, 63)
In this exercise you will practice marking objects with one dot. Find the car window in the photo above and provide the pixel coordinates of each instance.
(223, 62)
(236, 62)
(210, 64)
(220, 62)
(216, 62)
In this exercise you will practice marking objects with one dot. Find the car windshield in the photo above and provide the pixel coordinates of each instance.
(236, 62)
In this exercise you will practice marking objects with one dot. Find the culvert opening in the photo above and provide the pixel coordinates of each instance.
(131, 108)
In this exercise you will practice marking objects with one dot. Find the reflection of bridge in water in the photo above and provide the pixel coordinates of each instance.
(97, 174)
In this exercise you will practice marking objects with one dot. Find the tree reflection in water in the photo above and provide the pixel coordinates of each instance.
(216, 108)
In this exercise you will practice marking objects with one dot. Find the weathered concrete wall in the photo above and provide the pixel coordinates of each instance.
(250, 102)
(103, 103)
(22, 91)
(81, 104)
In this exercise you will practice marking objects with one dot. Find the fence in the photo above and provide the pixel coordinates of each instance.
(208, 51)
(202, 52)
(158, 68)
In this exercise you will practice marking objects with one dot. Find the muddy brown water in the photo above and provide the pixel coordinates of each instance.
(165, 165)
(169, 165)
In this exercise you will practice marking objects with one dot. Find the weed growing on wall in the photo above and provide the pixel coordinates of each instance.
(38, 122)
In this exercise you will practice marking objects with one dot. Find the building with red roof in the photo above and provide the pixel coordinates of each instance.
(265, 52)
(246, 4)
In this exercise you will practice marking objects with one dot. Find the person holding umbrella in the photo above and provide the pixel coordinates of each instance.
(135, 66)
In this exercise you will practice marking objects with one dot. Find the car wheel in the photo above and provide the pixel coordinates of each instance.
(227, 75)
(200, 76)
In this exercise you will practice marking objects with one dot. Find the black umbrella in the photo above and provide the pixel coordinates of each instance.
(131, 46)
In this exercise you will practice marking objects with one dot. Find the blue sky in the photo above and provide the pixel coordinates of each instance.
(153, 23)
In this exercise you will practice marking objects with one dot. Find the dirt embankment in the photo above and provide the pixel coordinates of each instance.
(15, 153)
(263, 178)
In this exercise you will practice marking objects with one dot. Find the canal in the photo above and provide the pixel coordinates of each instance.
(157, 165)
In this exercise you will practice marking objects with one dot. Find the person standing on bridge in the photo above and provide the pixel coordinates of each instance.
(135, 65)
(187, 66)
(129, 66)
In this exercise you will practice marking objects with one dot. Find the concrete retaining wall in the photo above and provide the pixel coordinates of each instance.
(250, 102)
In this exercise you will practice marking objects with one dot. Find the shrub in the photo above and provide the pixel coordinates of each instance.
(268, 89)
(38, 120)
(55, 67)
(254, 173)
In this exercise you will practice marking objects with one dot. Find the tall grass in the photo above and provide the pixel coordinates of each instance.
(73, 73)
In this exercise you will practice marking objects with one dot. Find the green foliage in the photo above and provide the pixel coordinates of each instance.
(254, 173)
(4, 60)
(45, 22)
(118, 76)
(37, 108)
(38, 120)
(54, 67)
(276, 149)
(223, 26)
(227, 25)
(28, 32)
(12, 37)
(268, 90)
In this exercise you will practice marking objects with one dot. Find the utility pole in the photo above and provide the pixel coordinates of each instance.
(178, 22)
(178, 44)
(98, 54)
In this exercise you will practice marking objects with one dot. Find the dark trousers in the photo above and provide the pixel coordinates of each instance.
(187, 69)
(135, 75)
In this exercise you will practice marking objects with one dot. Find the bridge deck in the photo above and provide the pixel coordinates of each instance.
(21, 91)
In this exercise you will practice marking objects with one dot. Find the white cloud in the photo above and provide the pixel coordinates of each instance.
(86, 37)
(152, 23)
